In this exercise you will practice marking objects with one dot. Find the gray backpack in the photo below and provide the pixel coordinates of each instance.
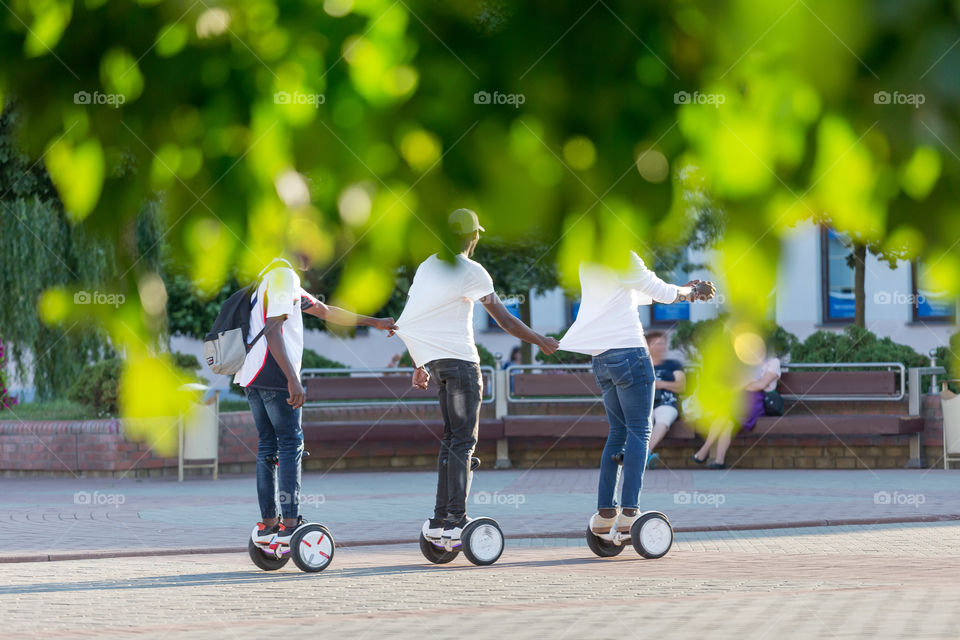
(225, 347)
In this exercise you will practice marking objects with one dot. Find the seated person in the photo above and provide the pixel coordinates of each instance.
(764, 379)
(671, 381)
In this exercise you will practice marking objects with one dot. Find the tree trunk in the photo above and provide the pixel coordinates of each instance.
(859, 292)
(525, 314)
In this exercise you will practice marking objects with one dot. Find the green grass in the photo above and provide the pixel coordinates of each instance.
(233, 405)
(48, 410)
(68, 410)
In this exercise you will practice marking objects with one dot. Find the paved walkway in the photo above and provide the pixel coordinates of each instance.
(888, 581)
(44, 518)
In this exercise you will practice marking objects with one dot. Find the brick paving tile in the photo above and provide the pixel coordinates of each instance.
(889, 581)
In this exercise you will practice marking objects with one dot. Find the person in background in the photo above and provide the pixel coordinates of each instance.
(671, 382)
(516, 357)
(764, 378)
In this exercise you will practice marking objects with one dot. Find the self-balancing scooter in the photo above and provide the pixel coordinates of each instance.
(651, 535)
(311, 546)
(481, 541)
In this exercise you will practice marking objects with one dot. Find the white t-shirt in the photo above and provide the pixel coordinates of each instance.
(608, 316)
(437, 321)
(279, 294)
(772, 365)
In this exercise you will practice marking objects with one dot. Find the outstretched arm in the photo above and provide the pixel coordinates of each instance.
(336, 315)
(516, 327)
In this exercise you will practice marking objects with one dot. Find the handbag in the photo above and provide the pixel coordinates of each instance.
(772, 403)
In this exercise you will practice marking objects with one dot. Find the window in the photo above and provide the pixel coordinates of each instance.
(512, 305)
(836, 278)
(930, 306)
(669, 313)
(573, 308)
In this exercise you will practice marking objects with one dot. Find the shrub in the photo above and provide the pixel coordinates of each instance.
(96, 387)
(313, 360)
(854, 344)
(186, 361)
(687, 335)
(562, 357)
(948, 358)
(5, 400)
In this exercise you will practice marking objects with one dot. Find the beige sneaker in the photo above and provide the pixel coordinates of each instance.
(624, 522)
(601, 525)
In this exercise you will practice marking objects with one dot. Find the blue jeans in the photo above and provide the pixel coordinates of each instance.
(626, 378)
(278, 425)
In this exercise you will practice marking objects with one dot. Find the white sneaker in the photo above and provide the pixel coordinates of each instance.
(624, 522)
(432, 529)
(453, 530)
(600, 525)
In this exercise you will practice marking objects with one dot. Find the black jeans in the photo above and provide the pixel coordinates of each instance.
(461, 389)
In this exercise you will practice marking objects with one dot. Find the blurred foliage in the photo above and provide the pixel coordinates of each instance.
(689, 337)
(350, 130)
(562, 357)
(96, 387)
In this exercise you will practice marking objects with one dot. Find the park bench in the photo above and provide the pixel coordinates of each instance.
(377, 412)
(829, 402)
(384, 397)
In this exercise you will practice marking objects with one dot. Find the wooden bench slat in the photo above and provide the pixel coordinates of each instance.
(839, 383)
(555, 384)
(387, 387)
(389, 430)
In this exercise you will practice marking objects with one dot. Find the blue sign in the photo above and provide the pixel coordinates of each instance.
(671, 312)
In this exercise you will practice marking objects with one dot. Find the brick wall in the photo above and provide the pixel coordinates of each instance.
(98, 447)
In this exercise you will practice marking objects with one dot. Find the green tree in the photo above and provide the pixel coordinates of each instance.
(519, 269)
(770, 107)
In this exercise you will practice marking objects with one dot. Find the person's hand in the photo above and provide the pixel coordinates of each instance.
(704, 290)
(421, 378)
(296, 393)
(385, 324)
(549, 345)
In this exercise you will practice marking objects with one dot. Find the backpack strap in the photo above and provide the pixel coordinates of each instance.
(255, 285)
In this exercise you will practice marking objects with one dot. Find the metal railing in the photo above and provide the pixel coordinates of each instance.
(898, 366)
(489, 390)
(915, 376)
(521, 368)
